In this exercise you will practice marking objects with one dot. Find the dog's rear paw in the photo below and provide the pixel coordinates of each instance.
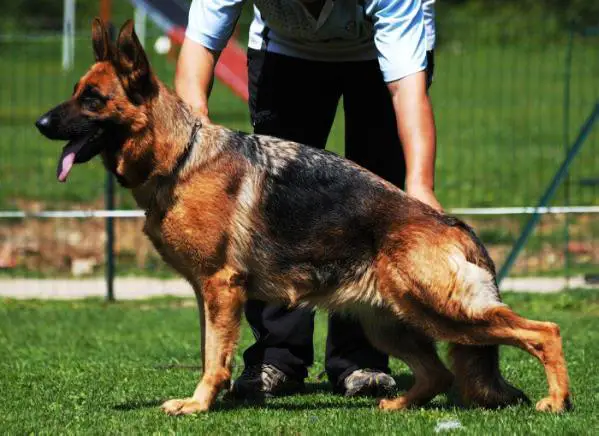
(185, 406)
(493, 396)
(554, 405)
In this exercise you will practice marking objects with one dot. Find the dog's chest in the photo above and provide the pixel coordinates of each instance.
(189, 228)
(186, 244)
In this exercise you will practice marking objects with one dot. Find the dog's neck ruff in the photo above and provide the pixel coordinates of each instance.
(157, 192)
(183, 157)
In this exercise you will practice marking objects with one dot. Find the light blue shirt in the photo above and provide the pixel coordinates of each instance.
(396, 32)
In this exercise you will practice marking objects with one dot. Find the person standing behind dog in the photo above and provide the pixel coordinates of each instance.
(303, 56)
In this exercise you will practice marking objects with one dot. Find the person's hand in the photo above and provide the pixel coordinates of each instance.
(424, 194)
(202, 113)
(203, 116)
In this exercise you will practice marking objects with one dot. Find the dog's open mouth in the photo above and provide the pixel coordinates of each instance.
(78, 150)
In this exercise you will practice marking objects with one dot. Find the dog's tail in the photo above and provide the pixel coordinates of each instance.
(479, 380)
(474, 249)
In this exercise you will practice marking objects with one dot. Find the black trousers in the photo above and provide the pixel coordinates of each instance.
(297, 99)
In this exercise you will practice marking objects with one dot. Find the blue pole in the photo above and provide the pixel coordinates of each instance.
(548, 195)
(567, 81)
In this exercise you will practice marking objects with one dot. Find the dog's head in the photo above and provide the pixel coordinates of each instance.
(107, 103)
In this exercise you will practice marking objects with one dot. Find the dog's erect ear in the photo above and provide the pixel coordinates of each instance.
(101, 41)
(133, 66)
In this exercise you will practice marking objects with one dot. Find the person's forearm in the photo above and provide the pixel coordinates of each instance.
(195, 75)
(416, 128)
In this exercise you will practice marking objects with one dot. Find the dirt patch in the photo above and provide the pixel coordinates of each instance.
(73, 246)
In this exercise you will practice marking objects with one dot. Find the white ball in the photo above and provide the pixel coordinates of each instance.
(162, 45)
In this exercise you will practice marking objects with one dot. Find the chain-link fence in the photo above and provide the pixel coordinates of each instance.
(508, 107)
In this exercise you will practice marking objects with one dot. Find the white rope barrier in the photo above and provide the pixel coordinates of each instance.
(524, 210)
(455, 211)
(74, 214)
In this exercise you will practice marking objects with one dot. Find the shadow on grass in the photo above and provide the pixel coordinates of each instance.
(223, 405)
(179, 366)
(136, 405)
(227, 404)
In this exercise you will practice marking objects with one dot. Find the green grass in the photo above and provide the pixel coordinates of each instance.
(92, 367)
(499, 112)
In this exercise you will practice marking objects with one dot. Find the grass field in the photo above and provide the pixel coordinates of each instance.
(499, 111)
(90, 367)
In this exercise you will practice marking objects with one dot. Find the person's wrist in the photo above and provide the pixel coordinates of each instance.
(424, 192)
(419, 185)
(200, 109)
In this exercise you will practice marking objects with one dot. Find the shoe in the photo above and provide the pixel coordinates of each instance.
(368, 382)
(264, 381)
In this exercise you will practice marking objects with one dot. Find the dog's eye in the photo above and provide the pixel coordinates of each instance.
(92, 103)
(91, 99)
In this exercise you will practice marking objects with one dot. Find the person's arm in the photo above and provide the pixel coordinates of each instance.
(401, 44)
(195, 75)
(416, 127)
(210, 25)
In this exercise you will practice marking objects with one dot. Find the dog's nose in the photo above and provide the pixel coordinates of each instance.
(43, 123)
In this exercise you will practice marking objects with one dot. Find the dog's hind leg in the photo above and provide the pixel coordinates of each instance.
(443, 283)
(494, 326)
(223, 299)
(418, 351)
(478, 377)
(541, 339)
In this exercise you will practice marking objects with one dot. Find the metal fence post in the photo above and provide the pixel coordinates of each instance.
(68, 35)
(105, 13)
(109, 200)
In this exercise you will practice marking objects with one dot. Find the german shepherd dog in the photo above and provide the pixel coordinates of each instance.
(254, 217)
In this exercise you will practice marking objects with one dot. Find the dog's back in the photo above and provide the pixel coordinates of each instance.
(306, 221)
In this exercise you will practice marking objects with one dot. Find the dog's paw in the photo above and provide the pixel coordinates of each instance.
(186, 406)
(554, 405)
(398, 403)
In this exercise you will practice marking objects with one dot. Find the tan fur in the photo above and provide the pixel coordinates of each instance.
(242, 220)
(364, 290)
(476, 290)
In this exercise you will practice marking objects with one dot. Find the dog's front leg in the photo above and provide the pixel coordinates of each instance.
(223, 298)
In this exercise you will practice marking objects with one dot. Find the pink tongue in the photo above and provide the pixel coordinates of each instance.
(67, 158)
(64, 166)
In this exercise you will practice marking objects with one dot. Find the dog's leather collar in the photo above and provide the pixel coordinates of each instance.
(188, 148)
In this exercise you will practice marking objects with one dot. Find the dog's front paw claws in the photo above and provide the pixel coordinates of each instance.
(554, 405)
(185, 406)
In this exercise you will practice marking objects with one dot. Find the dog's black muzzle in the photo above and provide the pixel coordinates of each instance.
(52, 124)
(44, 125)
(64, 122)
(49, 126)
